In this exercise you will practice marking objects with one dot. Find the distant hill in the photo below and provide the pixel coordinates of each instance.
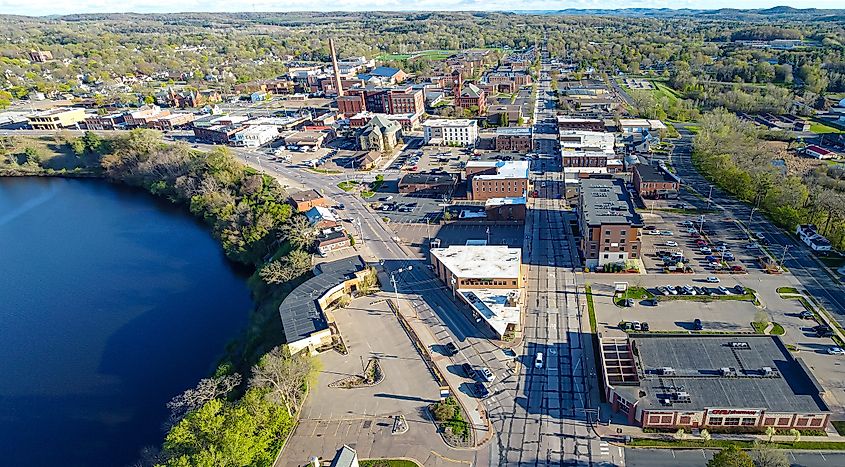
(778, 12)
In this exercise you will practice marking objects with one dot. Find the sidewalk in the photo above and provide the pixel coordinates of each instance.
(473, 408)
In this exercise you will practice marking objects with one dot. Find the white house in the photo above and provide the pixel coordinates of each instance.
(810, 236)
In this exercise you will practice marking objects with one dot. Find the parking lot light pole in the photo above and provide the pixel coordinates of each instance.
(751, 217)
(395, 286)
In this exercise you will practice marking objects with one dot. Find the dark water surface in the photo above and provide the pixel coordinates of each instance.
(111, 302)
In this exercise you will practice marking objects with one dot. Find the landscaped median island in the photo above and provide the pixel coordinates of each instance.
(451, 422)
(241, 414)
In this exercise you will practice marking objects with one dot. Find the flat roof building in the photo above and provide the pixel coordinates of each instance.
(497, 179)
(609, 225)
(425, 184)
(742, 382)
(443, 131)
(579, 140)
(56, 119)
(488, 278)
(514, 139)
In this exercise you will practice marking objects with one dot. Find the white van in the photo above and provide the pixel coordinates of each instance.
(538, 360)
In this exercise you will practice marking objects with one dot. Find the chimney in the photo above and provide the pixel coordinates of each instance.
(336, 68)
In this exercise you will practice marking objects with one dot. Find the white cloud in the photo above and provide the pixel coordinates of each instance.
(50, 7)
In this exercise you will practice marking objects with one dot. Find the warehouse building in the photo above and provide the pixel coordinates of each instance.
(739, 383)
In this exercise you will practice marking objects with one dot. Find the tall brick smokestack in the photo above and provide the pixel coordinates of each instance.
(336, 68)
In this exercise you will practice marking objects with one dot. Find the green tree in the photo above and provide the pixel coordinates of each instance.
(732, 456)
(765, 455)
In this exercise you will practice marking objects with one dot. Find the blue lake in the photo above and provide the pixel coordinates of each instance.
(111, 302)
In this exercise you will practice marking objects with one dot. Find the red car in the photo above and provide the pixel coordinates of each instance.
(736, 268)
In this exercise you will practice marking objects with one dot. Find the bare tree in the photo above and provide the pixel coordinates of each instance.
(765, 455)
(285, 376)
(194, 398)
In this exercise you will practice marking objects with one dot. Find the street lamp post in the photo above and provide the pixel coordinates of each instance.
(396, 287)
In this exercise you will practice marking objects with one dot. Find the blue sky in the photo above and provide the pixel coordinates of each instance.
(48, 7)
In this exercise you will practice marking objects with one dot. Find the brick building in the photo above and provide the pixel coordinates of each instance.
(497, 179)
(734, 383)
(514, 139)
(609, 225)
(653, 182)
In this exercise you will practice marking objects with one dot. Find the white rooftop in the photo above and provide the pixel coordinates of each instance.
(498, 307)
(320, 213)
(503, 201)
(447, 122)
(480, 262)
(633, 122)
(507, 169)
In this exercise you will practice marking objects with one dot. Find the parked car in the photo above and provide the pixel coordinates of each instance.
(650, 302)
(696, 325)
(628, 302)
(698, 290)
(729, 256)
(737, 268)
(663, 290)
(649, 227)
(705, 250)
(740, 289)
(666, 232)
(713, 279)
(486, 375)
(806, 314)
(467, 369)
(724, 291)
(636, 326)
(835, 351)
(480, 390)
(451, 348)
(538, 360)
(645, 326)
(672, 290)
(760, 235)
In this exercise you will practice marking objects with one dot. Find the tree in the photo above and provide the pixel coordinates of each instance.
(770, 432)
(767, 456)
(206, 390)
(680, 434)
(796, 435)
(299, 232)
(731, 457)
(705, 435)
(291, 266)
(285, 377)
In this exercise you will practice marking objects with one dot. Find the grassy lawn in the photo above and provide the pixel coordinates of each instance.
(718, 443)
(348, 185)
(821, 128)
(840, 426)
(591, 309)
(787, 290)
(636, 293)
(388, 463)
(324, 171)
(759, 328)
(662, 90)
(368, 194)
(748, 296)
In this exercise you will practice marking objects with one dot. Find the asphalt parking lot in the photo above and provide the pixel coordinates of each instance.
(406, 208)
(362, 417)
(717, 232)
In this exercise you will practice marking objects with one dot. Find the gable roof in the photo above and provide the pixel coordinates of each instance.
(471, 90)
